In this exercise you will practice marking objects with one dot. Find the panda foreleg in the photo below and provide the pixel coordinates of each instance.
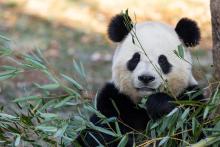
(108, 95)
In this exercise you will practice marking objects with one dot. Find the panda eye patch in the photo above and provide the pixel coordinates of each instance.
(133, 62)
(164, 64)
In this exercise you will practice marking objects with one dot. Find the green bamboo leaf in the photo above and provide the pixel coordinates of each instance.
(61, 131)
(40, 53)
(216, 96)
(26, 98)
(17, 140)
(34, 63)
(189, 102)
(93, 110)
(164, 140)
(47, 105)
(82, 70)
(77, 67)
(5, 52)
(172, 112)
(7, 116)
(195, 94)
(212, 129)
(154, 125)
(63, 102)
(176, 52)
(111, 119)
(206, 111)
(103, 130)
(212, 141)
(117, 128)
(52, 86)
(180, 51)
(99, 144)
(5, 38)
(46, 128)
(6, 67)
(50, 76)
(4, 77)
(123, 141)
(71, 91)
(48, 115)
(205, 142)
(193, 125)
(8, 74)
(185, 113)
(76, 84)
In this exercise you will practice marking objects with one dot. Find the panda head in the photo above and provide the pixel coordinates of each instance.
(141, 66)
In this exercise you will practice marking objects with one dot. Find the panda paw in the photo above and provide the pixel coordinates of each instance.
(159, 104)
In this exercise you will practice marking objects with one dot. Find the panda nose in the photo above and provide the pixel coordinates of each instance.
(146, 79)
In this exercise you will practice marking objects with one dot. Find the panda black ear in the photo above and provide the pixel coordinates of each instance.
(117, 29)
(188, 31)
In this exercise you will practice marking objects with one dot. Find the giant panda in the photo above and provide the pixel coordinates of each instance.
(139, 68)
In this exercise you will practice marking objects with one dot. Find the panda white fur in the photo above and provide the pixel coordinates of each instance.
(137, 73)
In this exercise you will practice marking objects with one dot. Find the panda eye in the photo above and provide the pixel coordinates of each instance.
(133, 62)
(164, 64)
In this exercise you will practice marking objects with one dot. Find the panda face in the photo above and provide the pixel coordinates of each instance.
(146, 78)
(140, 71)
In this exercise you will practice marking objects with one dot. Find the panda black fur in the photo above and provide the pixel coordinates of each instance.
(126, 94)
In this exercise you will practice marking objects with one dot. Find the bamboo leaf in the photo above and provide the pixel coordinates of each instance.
(206, 111)
(82, 70)
(5, 38)
(154, 125)
(63, 102)
(46, 128)
(4, 77)
(61, 131)
(48, 115)
(185, 113)
(91, 109)
(7, 116)
(164, 140)
(103, 130)
(27, 98)
(193, 125)
(117, 128)
(172, 112)
(17, 140)
(180, 51)
(123, 141)
(34, 62)
(77, 68)
(5, 52)
(52, 86)
(76, 84)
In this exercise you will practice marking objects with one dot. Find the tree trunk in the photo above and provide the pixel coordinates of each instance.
(215, 19)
